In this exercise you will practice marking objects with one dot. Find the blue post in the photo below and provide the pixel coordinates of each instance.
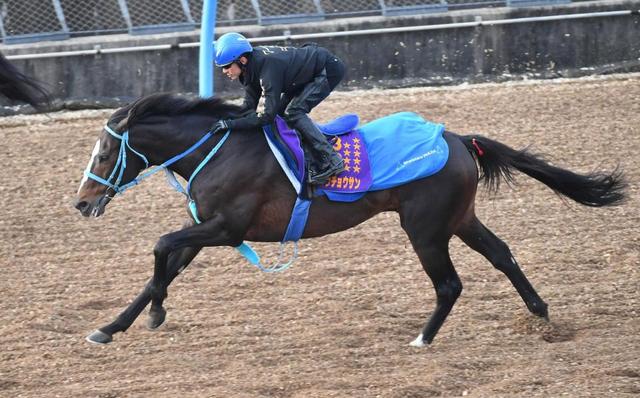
(206, 47)
(205, 86)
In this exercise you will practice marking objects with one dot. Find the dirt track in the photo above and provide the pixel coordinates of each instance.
(334, 326)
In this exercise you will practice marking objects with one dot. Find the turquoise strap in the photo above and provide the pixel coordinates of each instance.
(248, 253)
(121, 165)
(206, 160)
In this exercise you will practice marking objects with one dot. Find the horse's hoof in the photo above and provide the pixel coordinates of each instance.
(541, 310)
(156, 318)
(418, 342)
(98, 337)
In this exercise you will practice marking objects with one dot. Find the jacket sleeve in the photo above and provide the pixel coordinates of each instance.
(271, 84)
(251, 99)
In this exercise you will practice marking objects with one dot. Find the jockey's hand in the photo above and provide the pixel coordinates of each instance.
(221, 126)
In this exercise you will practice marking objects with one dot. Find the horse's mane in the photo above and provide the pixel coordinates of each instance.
(169, 104)
(19, 87)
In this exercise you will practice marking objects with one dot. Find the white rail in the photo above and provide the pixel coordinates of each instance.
(478, 22)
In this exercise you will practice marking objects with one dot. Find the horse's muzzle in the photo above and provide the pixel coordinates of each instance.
(95, 208)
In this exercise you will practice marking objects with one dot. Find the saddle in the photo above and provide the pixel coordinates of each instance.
(382, 154)
(346, 140)
(341, 125)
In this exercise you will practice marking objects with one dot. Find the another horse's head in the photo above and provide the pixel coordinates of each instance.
(124, 146)
(19, 87)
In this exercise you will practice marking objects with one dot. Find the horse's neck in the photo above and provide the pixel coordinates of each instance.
(160, 145)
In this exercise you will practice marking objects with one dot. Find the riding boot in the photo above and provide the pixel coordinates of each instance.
(326, 162)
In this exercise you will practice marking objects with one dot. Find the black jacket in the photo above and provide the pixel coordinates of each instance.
(273, 71)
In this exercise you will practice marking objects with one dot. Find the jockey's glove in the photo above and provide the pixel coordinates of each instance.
(221, 126)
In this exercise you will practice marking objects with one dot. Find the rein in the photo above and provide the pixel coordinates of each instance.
(121, 165)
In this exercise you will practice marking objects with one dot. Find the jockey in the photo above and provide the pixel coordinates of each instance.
(293, 81)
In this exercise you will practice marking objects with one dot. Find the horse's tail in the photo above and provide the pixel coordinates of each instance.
(19, 87)
(497, 161)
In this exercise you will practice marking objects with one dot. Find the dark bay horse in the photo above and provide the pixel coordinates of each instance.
(19, 87)
(242, 194)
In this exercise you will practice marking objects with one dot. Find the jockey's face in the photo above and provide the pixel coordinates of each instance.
(233, 70)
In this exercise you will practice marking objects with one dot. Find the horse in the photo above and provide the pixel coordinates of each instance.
(17, 86)
(243, 194)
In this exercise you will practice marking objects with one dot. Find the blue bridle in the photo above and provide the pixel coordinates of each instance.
(121, 165)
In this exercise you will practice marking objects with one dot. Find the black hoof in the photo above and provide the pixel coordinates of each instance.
(98, 337)
(540, 309)
(156, 318)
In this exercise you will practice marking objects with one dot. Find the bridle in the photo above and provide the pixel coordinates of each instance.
(120, 166)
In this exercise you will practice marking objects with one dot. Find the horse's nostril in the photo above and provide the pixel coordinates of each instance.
(81, 205)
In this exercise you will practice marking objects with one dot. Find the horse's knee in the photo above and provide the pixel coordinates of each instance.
(157, 292)
(162, 247)
(449, 290)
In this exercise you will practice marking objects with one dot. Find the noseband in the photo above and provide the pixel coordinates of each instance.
(121, 164)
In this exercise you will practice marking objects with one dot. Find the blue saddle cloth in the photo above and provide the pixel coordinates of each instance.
(402, 147)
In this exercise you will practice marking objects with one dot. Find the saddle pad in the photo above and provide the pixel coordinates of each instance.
(401, 148)
(357, 174)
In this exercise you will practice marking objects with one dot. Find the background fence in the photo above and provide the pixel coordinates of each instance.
(36, 20)
(477, 45)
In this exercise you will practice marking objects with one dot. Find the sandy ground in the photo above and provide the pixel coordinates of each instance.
(339, 322)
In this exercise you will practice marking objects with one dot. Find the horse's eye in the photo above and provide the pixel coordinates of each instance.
(103, 158)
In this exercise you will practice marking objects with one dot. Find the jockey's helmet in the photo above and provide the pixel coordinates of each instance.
(229, 47)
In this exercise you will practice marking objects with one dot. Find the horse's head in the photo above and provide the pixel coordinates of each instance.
(19, 87)
(113, 164)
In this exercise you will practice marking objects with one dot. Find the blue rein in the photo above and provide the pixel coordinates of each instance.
(121, 165)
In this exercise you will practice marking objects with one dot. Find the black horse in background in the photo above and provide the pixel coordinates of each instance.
(242, 194)
(17, 86)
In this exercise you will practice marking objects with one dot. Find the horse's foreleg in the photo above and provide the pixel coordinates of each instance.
(481, 239)
(209, 233)
(177, 262)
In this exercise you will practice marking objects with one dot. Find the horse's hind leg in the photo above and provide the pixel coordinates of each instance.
(481, 239)
(434, 256)
(177, 262)
(431, 243)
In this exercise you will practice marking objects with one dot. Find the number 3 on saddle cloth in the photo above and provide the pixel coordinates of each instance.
(382, 154)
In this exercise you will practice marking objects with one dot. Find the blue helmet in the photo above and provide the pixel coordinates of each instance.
(229, 47)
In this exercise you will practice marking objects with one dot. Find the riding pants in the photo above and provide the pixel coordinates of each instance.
(322, 161)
